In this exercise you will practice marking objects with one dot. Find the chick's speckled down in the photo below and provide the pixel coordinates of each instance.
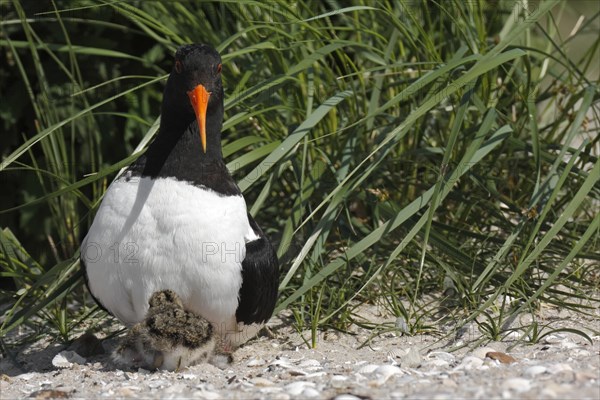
(169, 338)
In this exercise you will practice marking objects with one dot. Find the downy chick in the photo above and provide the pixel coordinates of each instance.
(169, 338)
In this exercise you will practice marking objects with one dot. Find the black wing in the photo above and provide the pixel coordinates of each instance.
(260, 279)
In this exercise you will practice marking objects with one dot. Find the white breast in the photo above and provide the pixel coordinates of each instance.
(157, 234)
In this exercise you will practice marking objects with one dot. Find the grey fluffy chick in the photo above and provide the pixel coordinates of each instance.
(169, 338)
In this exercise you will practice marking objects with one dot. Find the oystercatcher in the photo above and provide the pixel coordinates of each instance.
(176, 220)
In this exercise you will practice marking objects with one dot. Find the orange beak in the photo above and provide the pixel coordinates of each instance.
(199, 99)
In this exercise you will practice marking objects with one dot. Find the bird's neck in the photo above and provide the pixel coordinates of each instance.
(177, 149)
(179, 131)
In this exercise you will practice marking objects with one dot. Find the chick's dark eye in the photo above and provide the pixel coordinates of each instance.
(178, 66)
(219, 68)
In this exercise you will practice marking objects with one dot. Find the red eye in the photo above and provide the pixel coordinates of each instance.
(178, 66)
(219, 68)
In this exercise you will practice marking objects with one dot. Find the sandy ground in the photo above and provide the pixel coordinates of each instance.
(561, 365)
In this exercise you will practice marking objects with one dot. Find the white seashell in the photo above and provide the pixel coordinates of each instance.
(554, 339)
(298, 387)
(567, 344)
(535, 370)
(26, 376)
(297, 372)
(513, 335)
(256, 362)
(338, 381)
(159, 383)
(395, 354)
(310, 363)
(66, 359)
(386, 371)
(339, 378)
(282, 364)
(368, 369)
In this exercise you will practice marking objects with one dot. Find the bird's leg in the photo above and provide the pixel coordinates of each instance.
(159, 358)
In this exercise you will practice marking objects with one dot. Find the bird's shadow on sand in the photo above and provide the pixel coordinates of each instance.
(37, 357)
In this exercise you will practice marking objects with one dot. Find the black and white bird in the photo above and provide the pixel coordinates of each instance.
(176, 220)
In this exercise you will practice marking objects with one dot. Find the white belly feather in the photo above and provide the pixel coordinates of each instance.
(157, 234)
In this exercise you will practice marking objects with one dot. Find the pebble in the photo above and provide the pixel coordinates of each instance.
(346, 397)
(586, 376)
(449, 383)
(280, 396)
(517, 384)
(469, 363)
(256, 362)
(310, 364)
(435, 365)
(310, 392)
(401, 325)
(567, 344)
(535, 370)
(298, 388)
(482, 351)
(514, 335)
(560, 367)
(261, 382)
(580, 353)
(128, 391)
(412, 359)
(204, 394)
(177, 388)
(159, 383)
(442, 355)
(554, 339)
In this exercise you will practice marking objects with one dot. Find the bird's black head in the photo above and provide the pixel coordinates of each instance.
(194, 90)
